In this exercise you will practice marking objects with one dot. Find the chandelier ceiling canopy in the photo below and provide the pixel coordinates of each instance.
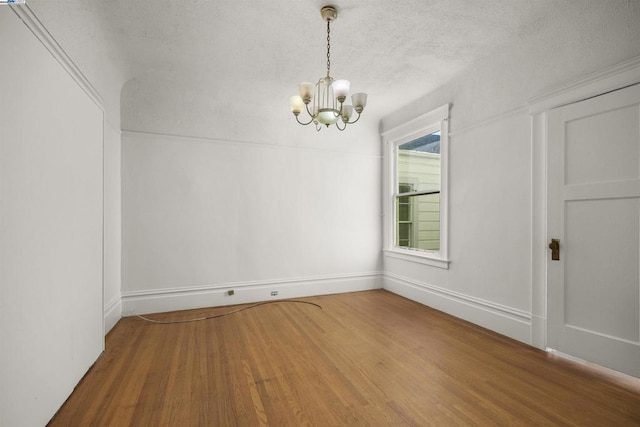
(324, 101)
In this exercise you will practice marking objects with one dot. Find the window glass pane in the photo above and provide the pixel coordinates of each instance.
(418, 164)
(404, 209)
(418, 222)
(404, 233)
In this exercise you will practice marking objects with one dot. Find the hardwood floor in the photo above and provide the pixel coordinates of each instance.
(367, 358)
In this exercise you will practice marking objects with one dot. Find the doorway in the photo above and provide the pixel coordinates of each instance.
(593, 211)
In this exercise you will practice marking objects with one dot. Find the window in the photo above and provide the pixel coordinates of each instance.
(416, 213)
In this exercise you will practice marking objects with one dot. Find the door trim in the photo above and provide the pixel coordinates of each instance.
(613, 78)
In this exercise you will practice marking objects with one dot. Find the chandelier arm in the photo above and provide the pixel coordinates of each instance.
(355, 119)
(309, 112)
(343, 127)
(318, 127)
(339, 112)
(304, 124)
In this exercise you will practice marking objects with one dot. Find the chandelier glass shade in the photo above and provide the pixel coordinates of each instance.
(324, 101)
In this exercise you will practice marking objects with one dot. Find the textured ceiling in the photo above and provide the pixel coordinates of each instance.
(234, 59)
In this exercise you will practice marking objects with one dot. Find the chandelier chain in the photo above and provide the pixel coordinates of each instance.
(328, 47)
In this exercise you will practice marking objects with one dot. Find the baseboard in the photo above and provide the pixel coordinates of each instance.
(112, 313)
(504, 320)
(163, 300)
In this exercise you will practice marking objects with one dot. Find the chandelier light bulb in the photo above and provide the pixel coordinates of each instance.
(297, 105)
(306, 91)
(359, 101)
(347, 112)
(341, 89)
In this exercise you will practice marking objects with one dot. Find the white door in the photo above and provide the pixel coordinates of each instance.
(593, 204)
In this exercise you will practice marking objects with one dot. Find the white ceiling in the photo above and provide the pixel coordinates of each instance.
(235, 59)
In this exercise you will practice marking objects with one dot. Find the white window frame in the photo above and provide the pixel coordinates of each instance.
(433, 121)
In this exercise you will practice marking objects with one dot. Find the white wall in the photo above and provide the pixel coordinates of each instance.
(201, 216)
(81, 33)
(51, 227)
(489, 276)
(112, 226)
(491, 180)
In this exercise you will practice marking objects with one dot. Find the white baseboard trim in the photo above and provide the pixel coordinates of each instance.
(504, 320)
(112, 313)
(185, 298)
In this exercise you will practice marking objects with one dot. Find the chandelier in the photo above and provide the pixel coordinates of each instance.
(325, 101)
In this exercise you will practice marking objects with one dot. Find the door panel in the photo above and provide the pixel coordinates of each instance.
(594, 209)
(594, 269)
(590, 158)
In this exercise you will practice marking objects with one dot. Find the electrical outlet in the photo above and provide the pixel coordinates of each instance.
(274, 293)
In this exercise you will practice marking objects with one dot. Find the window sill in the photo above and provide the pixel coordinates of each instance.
(416, 256)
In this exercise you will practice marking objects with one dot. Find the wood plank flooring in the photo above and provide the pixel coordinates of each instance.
(364, 359)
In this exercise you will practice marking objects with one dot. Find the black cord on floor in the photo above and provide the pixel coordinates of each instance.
(170, 322)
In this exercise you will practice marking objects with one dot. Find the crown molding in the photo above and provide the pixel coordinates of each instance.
(618, 76)
(38, 29)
